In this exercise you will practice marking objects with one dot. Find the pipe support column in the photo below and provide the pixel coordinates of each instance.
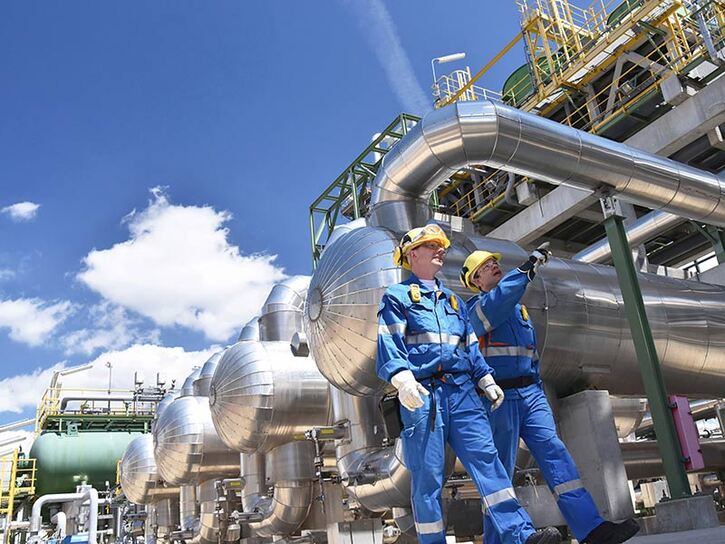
(649, 364)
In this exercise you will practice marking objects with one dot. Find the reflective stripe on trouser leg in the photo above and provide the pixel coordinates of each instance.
(470, 436)
(539, 432)
(505, 427)
(492, 499)
(424, 456)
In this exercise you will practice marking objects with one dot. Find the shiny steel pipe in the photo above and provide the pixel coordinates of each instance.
(188, 509)
(375, 475)
(167, 513)
(282, 311)
(503, 137)
(201, 384)
(208, 518)
(643, 460)
(187, 448)
(86, 494)
(187, 389)
(140, 480)
(250, 331)
(150, 525)
(291, 469)
(577, 309)
(262, 396)
(640, 231)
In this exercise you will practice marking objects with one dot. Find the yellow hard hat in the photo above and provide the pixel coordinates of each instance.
(414, 238)
(472, 263)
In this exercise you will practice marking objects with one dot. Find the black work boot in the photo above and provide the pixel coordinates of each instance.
(547, 535)
(612, 533)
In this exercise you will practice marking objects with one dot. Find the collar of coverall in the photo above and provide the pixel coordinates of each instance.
(423, 288)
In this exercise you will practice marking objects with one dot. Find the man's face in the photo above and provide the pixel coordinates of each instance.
(427, 259)
(487, 276)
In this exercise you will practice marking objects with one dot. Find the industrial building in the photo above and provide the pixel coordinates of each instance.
(607, 143)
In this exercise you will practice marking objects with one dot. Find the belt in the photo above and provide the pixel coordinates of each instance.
(441, 377)
(515, 383)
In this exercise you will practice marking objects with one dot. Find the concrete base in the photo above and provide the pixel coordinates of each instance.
(697, 512)
(700, 536)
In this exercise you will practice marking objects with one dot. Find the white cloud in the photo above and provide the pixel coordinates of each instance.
(18, 393)
(382, 35)
(6, 274)
(113, 329)
(178, 268)
(21, 211)
(31, 320)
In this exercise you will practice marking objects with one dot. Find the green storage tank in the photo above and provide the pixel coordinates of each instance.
(63, 461)
(519, 86)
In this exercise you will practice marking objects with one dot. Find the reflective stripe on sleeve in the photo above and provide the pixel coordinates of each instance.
(472, 339)
(492, 499)
(394, 328)
(429, 528)
(571, 485)
(511, 351)
(433, 338)
(486, 323)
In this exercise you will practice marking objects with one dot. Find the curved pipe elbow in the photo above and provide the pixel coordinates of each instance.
(502, 137)
(285, 512)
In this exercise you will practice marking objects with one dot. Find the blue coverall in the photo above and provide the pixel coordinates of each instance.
(432, 337)
(508, 341)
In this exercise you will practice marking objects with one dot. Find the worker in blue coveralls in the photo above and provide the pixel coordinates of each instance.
(507, 340)
(426, 349)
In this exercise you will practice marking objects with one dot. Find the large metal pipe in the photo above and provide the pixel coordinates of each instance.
(577, 309)
(640, 231)
(140, 479)
(503, 137)
(282, 310)
(262, 395)
(643, 460)
(88, 494)
(187, 448)
(290, 468)
(374, 474)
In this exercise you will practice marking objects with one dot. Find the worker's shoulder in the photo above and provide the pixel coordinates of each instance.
(397, 291)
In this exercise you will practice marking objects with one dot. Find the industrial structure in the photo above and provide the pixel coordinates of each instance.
(608, 137)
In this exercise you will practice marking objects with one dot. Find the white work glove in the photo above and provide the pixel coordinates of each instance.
(409, 390)
(492, 391)
(540, 256)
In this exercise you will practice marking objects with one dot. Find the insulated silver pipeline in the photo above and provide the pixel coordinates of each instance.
(150, 525)
(188, 508)
(291, 470)
(374, 474)
(640, 231)
(282, 311)
(167, 514)
(261, 395)
(140, 480)
(503, 137)
(202, 382)
(577, 308)
(250, 331)
(90, 494)
(643, 460)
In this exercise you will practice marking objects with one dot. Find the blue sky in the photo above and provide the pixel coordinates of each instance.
(172, 150)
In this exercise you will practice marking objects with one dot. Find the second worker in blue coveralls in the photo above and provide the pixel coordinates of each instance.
(426, 349)
(508, 341)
